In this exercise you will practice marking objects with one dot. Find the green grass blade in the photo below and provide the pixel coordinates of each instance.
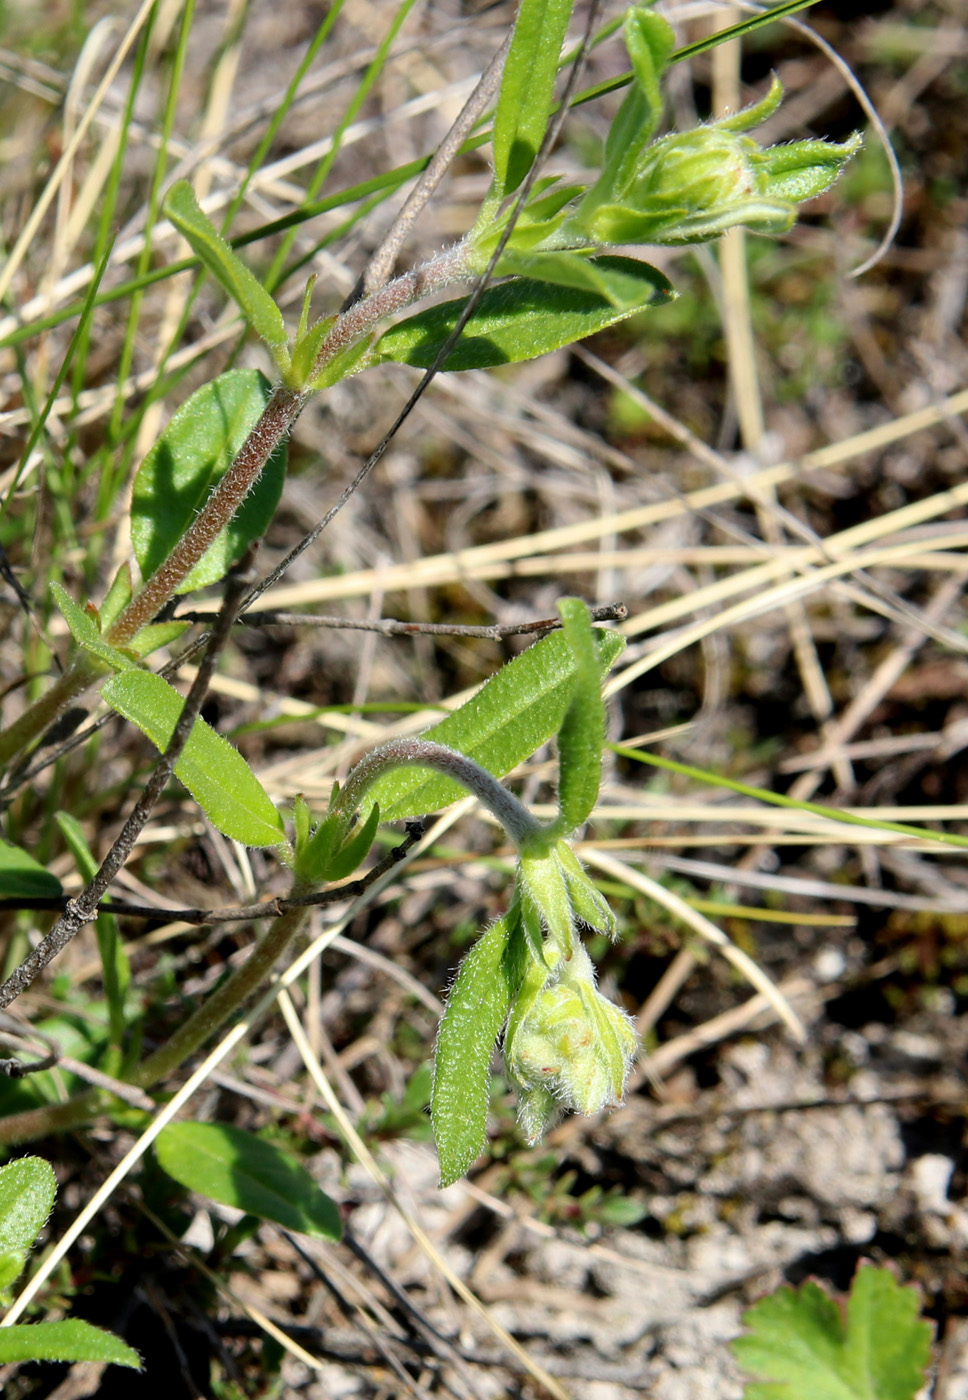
(776, 799)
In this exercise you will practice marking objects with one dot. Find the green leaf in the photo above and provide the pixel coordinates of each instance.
(527, 89)
(12, 1263)
(650, 42)
(87, 634)
(320, 857)
(477, 1007)
(571, 269)
(511, 716)
(240, 1170)
(356, 848)
(70, 1340)
(27, 1190)
(157, 634)
(225, 265)
(216, 775)
(22, 877)
(582, 731)
(187, 462)
(803, 1347)
(523, 318)
(118, 596)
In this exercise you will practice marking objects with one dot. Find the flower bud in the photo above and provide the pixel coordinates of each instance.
(567, 1046)
(694, 185)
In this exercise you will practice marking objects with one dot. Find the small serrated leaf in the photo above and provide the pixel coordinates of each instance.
(215, 773)
(243, 1171)
(523, 318)
(70, 1340)
(187, 462)
(804, 1348)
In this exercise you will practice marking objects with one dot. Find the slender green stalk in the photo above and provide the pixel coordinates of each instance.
(36, 1123)
(223, 1002)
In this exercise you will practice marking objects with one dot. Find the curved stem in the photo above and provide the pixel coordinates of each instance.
(517, 821)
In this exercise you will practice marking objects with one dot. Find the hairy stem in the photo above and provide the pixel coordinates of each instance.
(273, 427)
(36, 1123)
(514, 817)
(442, 271)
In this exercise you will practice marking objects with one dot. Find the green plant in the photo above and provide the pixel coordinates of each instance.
(805, 1345)
(204, 495)
(27, 1191)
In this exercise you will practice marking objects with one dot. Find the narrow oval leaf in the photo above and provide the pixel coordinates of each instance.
(27, 1190)
(70, 1340)
(216, 775)
(523, 318)
(187, 462)
(477, 1008)
(240, 1170)
(225, 265)
(355, 849)
(527, 89)
(157, 634)
(582, 731)
(511, 716)
(22, 877)
(85, 632)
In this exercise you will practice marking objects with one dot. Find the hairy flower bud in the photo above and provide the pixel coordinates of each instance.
(694, 185)
(567, 1046)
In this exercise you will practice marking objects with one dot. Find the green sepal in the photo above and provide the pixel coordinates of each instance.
(301, 821)
(757, 112)
(590, 905)
(355, 850)
(650, 42)
(804, 169)
(306, 348)
(541, 880)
